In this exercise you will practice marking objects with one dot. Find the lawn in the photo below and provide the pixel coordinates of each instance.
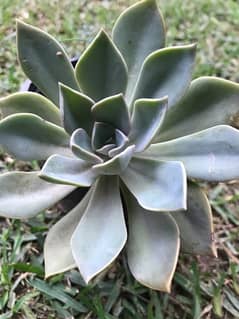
(203, 287)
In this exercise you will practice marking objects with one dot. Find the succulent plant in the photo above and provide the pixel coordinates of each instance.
(129, 126)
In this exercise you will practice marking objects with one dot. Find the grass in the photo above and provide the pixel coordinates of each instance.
(203, 287)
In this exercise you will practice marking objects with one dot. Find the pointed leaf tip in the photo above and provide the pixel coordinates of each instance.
(42, 57)
(153, 245)
(113, 110)
(94, 69)
(147, 118)
(160, 74)
(101, 233)
(75, 109)
(131, 35)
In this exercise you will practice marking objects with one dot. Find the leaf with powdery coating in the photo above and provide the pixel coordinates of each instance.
(138, 31)
(44, 60)
(101, 233)
(196, 223)
(57, 249)
(209, 101)
(29, 102)
(75, 110)
(101, 70)
(25, 194)
(152, 246)
(166, 72)
(157, 185)
(69, 171)
(210, 155)
(29, 137)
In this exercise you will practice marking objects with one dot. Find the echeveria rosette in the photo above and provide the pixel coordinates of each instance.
(129, 124)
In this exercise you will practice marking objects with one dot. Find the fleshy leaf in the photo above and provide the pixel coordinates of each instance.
(29, 102)
(101, 135)
(69, 171)
(157, 185)
(29, 137)
(101, 70)
(114, 111)
(24, 194)
(75, 109)
(106, 149)
(208, 102)
(166, 72)
(147, 117)
(117, 164)
(101, 233)
(44, 60)
(121, 141)
(211, 155)
(81, 146)
(138, 32)
(57, 249)
(152, 246)
(196, 224)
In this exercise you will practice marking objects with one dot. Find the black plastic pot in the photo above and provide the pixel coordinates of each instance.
(75, 197)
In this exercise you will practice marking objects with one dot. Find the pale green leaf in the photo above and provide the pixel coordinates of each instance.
(69, 171)
(138, 31)
(152, 246)
(44, 60)
(29, 102)
(196, 223)
(166, 72)
(211, 154)
(81, 146)
(114, 111)
(209, 101)
(102, 135)
(147, 117)
(104, 150)
(121, 142)
(115, 165)
(75, 109)
(24, 194)
(57, 248)
(101, 70)
(29, 137)
(101, 233)
(157, 185)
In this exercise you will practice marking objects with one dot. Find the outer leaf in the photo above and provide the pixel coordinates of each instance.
(66, 170)
(152, 247)
(75, 109)
(211, 155)
(29, 137)
(101, 233)
(29, 102)
(157, 185)
(117, 164)
(196, 224)
(57, 249)
(81, 146)
(138, 32)
(147, 118)
(24, 194)
(101, 70)
(166, 72)
(43, 60)
(113, 110)
(209, 101)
